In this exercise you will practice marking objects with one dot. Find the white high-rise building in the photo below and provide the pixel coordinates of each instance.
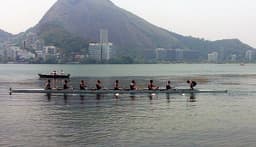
(50, 50)
(249, 55)
(233, 58)
(95, 51)
(160, 53)
(101, 51)
(213, 57)
(103, 36)
(179, 54)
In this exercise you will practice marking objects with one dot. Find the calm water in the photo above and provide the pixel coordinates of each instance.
(141, 120)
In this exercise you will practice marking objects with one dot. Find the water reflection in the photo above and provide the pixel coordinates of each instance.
(65, 99)
(131, 123)
(99, 97)
(82, 97)
(133, 97)
(192, 98)
(116, 96)
(168, 97)
(49, 97)
(151, 97)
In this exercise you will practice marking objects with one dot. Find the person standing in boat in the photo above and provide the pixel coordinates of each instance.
(192, 84)
(65, 86)
(168, 85)
(133, 85)
(54, 73)
(98, 85)
(151, 85)
(82, 85)
(116, 85)
(48, 85)
(62, 72)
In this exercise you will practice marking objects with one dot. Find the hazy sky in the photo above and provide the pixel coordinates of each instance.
(209, 19)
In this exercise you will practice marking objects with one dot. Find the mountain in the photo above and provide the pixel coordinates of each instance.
(86, 17)
(226, 46)
(82, 20)
(4, 35)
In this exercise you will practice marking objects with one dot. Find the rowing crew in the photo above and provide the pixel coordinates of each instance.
(133, 86)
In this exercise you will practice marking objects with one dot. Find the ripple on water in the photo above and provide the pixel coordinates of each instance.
(177, 120)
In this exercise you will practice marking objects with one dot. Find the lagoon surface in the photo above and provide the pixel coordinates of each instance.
(206, 120)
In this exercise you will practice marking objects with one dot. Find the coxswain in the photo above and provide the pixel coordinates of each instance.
(133, 85)
(65, 86)
(168, 85)
(151, 85)
(116, 85)
(82, 85)
(98, 85)
(192, 84)
(48, 85)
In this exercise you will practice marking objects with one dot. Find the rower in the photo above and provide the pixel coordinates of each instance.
(168, 85)
(48, 85)
(151, 85)
(98, 85)
(82, 85)
(192, 84)
(65, 86)
(133, 85)
(116, 85)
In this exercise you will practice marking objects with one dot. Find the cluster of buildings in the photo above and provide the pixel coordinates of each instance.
(215, 57)
(186, 55)
(177, 55)
(16, 54)
(31, 49)
(101, 51)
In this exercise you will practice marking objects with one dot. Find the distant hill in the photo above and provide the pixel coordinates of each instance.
(4, 35)
(82, 19)
(86, 17)
(227, 46)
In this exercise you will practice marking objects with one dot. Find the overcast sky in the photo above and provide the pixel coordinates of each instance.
(209, 19)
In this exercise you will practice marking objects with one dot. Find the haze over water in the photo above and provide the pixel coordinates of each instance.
(140, 120)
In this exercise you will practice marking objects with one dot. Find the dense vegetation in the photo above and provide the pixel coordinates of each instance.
(57, 36)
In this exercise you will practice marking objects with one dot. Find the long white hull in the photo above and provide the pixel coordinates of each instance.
(172, 91)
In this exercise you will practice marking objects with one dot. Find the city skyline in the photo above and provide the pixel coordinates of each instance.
(207, 19)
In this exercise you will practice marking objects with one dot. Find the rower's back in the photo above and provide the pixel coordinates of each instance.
(82, 85)
(98, 85)
(168, 85)
(133, 85)
(65, 86)
(48, 85)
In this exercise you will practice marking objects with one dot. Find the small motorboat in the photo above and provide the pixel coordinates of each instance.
(54, 75)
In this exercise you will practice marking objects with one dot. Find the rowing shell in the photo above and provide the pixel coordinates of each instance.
(172, 91)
